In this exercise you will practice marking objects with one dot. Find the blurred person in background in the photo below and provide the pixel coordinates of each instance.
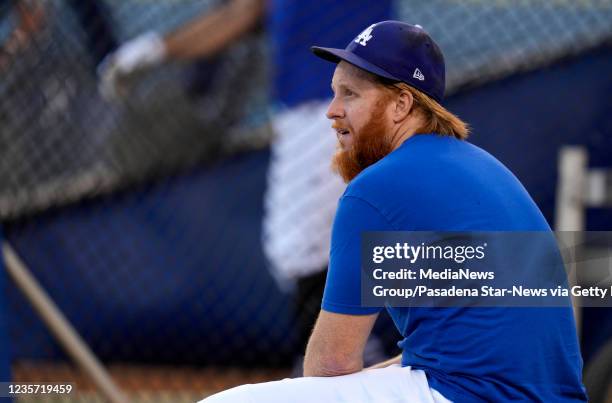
(19, 21)
(302, 192)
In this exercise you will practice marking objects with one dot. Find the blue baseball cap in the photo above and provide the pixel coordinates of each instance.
(396, 51)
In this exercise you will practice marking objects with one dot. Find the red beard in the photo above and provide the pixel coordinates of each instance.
(370, 145)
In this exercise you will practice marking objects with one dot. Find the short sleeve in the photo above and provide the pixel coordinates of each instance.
(343, 287)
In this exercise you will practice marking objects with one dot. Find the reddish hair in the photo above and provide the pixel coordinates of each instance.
(436, 118)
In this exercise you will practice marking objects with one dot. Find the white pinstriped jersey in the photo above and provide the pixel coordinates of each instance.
(302, 193)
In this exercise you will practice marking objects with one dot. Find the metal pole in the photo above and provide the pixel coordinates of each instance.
(57, 323)
(570, 210)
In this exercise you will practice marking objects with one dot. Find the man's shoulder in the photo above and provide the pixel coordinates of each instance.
(370, 181)
(423, 166)
(389, 171)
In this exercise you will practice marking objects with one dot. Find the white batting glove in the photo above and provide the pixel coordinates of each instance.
(136, 55)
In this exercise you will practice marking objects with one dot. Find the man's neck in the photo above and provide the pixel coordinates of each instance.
(403, 131)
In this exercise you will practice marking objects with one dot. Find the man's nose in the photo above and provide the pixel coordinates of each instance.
(334, 110)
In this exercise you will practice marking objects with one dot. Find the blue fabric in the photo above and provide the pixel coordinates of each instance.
(295, 26)
(469, 354)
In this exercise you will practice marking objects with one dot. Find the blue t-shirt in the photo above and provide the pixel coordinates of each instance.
(438, 183)
(296, 25)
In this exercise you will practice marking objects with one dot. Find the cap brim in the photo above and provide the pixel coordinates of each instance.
(336, 55)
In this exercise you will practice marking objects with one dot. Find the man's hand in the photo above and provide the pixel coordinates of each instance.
(205, 36)
(134, 56)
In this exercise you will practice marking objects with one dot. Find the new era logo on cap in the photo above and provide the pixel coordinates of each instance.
(418, 75)
(396, 51)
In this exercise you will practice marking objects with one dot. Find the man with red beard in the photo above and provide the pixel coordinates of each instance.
(409, 168)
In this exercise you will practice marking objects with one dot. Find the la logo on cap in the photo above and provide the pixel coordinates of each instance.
(365, 36)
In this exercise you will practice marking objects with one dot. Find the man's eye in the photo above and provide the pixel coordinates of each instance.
(348, 92)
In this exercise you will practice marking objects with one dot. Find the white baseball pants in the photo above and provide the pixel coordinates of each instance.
(392, 384)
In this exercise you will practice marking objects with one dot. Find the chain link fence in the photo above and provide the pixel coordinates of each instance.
(142, 219)
(487, 40)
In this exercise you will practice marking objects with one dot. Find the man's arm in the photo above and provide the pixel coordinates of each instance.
(203, 37)
(337, 343)
(213, 32)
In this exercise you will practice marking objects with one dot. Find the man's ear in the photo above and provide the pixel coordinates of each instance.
(403, 106)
